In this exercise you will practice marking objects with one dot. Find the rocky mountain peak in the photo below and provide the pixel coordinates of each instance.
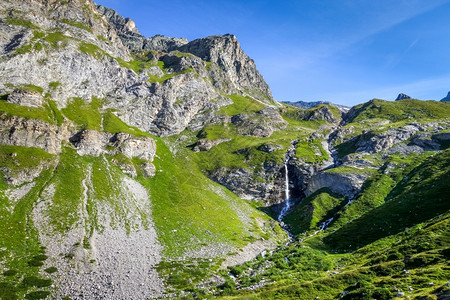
(239, 70)
(402, 96)
(226, 52)
(447, 98)
(121, 24)
(133, 39)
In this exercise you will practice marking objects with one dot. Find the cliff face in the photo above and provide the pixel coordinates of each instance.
(132, 38)
(226, 52)
(222, 50)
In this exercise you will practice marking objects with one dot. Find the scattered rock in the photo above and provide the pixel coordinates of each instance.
(148, 169)
(269, 148)
(206, 145)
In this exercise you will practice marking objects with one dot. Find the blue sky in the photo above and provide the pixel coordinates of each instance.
(344, 51)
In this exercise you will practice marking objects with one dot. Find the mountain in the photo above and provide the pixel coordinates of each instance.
(137, 168)
(447, 98)
(402, 96)
(306, 104)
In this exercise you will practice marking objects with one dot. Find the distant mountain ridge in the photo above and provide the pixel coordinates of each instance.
(311, 104)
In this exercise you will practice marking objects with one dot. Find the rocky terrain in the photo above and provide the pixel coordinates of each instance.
(311, 104)
(140, 167)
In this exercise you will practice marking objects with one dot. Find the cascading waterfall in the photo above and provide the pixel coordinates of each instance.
(287, 200)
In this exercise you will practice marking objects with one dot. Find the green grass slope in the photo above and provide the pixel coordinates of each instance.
(408, 109)
(409, 265)
(194, 216)
(422, 195)
(393, 240)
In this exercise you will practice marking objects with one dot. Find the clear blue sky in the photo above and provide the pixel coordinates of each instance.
(344, 51)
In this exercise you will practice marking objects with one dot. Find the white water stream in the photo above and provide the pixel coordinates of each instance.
(287, 198)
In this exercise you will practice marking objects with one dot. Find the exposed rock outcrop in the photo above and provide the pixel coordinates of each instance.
(19, 131)
(260, 124)
(160, 100)
(307, 104)
(95, 143)
(322, 113)
(373, 143)
(26, 98)
(347, 184)
(206, 145)
(242, 183)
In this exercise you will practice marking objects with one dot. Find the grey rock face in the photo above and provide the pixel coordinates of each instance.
(18, 131)
(307, 104)
(387, 139)
(346, 184)
(260, 124)
(82, 65)
(121, 24)
(323, 113)
(162, 43)
(131, 146)
(132, 38)
(227, 53)
(92, 142)
(242, 183)
(167, 108)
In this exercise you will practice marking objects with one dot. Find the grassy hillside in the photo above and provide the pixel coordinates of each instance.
(412, 263)
(392, 240)
(421, 196)
(194, 216)
(408, 109)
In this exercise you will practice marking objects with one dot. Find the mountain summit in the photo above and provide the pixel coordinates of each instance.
(447, 98)
(402, 96)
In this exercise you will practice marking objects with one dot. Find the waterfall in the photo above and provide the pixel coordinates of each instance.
(287, 200)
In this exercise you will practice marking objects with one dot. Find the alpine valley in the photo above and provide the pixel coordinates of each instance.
(140, 167)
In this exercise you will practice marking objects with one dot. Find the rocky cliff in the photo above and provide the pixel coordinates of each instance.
(223, 51)
(132, 38)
